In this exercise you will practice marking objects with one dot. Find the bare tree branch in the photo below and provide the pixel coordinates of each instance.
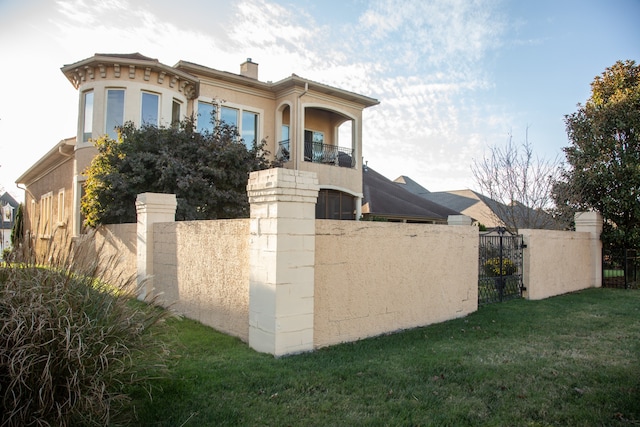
(519, 185)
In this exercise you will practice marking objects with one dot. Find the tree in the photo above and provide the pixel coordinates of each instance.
(518, 185)
(207, 171)
(17, 231)
(604, 154)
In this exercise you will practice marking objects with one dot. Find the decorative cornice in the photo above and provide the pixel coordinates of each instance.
(85, 71)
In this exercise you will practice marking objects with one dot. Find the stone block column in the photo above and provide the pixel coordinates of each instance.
(150, 208)
(591, 222)
(281, 260)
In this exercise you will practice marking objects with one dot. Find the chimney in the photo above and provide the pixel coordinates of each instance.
(249, 69)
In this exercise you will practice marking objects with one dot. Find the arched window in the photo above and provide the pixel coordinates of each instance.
(334, 204)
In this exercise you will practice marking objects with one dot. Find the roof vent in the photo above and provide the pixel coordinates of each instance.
(249, 69)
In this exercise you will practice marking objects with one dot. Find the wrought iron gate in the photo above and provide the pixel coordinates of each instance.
(620, 268)
(500, 266)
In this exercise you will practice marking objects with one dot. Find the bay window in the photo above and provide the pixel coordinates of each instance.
(115, 111)
(87, 116)
(175, 113)
(150, 109)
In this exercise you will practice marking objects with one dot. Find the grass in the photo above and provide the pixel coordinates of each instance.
(613, 273)
(569, 360)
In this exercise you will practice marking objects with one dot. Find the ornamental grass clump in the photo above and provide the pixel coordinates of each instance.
(71, 345)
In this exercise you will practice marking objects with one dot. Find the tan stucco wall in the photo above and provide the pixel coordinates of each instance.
(210, 282)
(556, 262)
(372, 278)
(116, 246)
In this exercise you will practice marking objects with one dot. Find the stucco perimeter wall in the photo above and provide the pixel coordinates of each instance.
(201, 270)
(372, 278)
(116, 246)
(556, 262)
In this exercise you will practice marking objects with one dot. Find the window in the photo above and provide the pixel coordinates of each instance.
(249, 131)
(247, 126)
(46, 202)
(150, 108)
(313, 146)
(7, 213)
(60, 217)
(115, 111)
(206, 116)
(245, 122)
(32, 215)
(229, 116)
(333, 204)
(314, 136)
(283, 152)
(87, 126)
(175, 113)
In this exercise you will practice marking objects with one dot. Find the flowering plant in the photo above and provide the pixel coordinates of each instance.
(492, 267)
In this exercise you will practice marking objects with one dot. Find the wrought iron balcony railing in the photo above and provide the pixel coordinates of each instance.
(283, 151)
(317, 152)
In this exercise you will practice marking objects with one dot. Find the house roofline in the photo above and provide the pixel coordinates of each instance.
(60, 152)
(288, 82)
(135, 59)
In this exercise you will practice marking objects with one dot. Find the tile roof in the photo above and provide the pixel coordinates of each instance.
(383, 197)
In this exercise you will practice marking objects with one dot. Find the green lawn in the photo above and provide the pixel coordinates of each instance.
(613, 273)
(570, 360)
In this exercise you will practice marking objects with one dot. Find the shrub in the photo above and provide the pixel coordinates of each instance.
(6, 253)
(70, 344)
(492, 267)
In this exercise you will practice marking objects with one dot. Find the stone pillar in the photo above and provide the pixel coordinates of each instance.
(150, 208)
(459, 220)
(281, 260)
(591, 222)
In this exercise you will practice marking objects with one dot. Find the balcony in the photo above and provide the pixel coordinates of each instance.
(317, 152)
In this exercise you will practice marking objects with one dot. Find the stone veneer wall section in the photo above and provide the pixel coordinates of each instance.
(372, 278)
(282, 244)
(201, 271)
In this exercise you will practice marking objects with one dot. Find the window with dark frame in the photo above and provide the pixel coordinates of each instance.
(334, 204)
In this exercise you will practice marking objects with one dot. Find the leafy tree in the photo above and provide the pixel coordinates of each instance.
(604, 155)
(518, 185)
(17, 232)
(207, 171)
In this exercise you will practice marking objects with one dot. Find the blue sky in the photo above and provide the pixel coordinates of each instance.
(452, 77)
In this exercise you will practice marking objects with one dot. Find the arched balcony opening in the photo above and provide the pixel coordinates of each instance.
(328, 138)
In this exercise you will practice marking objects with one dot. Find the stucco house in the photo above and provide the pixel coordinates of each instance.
(308, 125)
(481, 208)
(8, 210)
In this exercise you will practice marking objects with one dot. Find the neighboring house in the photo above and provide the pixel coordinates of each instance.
(385, 200)
(307, 125)
(8, 210)
(482, 209)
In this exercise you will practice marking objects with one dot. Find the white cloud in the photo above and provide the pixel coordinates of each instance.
(421, 59)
